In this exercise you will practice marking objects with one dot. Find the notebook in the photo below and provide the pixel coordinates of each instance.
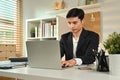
(10, 65)
(44, 54)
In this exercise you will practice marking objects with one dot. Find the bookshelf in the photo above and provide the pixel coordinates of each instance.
(47, 28)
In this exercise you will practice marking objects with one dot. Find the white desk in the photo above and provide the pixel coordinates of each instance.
(65, 74)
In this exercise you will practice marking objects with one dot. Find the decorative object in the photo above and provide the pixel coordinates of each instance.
(102, 64)
(92, 17)
(32, 32)
(81, 2)
(62, 4)
(112, 45)
(93, 22)
(90, 2)
(59, 5)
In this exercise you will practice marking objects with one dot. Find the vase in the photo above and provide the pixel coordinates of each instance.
(114, 64)
(32, 34)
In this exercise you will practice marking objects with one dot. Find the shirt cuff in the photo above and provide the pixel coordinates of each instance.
(78, 61)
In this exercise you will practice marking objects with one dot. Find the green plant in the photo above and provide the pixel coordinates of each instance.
(32, 32)
(112, 44)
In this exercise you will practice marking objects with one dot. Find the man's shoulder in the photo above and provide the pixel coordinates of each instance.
(91, 32)
(67, 34)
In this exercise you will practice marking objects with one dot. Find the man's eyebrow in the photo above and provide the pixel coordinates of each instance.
(72, 21)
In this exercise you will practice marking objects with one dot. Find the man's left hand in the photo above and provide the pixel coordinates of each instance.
(69, 63)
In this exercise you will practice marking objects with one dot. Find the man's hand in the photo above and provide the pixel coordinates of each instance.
(69, 63)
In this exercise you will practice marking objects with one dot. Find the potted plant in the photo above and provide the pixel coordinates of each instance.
(32, 32)
(112, 45)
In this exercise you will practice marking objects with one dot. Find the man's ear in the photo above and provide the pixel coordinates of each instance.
(83, 21)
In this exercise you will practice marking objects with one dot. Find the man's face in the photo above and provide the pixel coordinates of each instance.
(75, 24)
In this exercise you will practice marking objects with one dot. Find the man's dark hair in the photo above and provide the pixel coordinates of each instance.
(76, 12)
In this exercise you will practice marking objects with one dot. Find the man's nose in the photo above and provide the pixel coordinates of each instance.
(72, 25)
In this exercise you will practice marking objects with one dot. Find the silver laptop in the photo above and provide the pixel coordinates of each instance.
(44, 54)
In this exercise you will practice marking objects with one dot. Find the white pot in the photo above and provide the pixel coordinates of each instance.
(114, 64)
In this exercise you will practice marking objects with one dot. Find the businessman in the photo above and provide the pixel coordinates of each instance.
(77, 46)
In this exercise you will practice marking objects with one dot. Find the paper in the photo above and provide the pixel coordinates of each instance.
(84, 67)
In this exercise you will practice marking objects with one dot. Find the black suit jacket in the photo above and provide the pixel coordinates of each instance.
(88, 41)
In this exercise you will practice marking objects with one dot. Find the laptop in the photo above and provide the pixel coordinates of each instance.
(44, 54)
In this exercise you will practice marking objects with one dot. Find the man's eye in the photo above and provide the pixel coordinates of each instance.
(69, 23)
(74, 22)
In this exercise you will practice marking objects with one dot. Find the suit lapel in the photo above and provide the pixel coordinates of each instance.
(70, 44)
(81, 39)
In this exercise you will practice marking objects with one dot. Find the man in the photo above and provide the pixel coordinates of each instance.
(78, 45)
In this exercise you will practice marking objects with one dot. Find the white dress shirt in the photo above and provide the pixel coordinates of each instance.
(75, 43)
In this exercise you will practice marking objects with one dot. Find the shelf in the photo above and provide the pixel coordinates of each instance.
(46, 28)
(92, 6)
(42, 38)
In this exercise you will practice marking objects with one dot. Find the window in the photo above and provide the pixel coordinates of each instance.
(11, 24)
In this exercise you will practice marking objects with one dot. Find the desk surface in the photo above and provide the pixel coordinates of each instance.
(48, 74)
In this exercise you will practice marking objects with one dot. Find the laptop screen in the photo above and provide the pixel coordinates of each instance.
(44, 54)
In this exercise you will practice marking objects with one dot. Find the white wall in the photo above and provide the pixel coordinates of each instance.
(39, 8)
(111, 17)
